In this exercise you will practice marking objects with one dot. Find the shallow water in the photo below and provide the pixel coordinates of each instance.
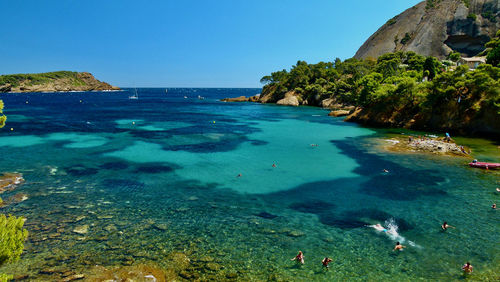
(158, 176)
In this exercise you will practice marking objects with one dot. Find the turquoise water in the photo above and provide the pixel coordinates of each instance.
(157, 177)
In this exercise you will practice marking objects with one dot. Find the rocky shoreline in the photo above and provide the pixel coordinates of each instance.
(425, 144)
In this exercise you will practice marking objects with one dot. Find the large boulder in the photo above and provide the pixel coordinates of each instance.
(289, 101)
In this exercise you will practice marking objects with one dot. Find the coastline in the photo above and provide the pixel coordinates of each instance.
(356, 114)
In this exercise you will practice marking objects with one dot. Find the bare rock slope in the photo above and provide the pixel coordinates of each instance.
(437, 27)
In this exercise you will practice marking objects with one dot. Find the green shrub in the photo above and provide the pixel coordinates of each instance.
(2, 117)
(392, 21)
(472, 16)
(12, 237)
(406, 38)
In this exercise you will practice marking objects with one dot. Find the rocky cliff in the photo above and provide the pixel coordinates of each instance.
(52, 82)
(436, 28)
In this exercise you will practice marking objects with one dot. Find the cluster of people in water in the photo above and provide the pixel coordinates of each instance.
(467, 267)
(299, 258)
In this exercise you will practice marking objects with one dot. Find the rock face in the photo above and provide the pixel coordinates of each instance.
(339, 113)
(289, 100)
(52, 82)
(435, 28)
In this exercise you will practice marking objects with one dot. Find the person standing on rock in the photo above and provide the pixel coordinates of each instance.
(299, 257)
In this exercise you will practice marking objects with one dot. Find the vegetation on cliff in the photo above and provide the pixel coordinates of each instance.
(401, 89)
(52, 81)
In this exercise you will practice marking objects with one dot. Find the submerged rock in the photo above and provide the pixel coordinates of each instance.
(295, 233)
(73, 277)
(8, 181)
(266, 215)
(140, 272)
(81, 229)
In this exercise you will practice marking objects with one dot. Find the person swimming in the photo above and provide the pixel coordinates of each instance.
(398, 247)
(274, 165)
(494, 206)
(379, 227)
(467, 267)
(326, 261)
(299, 257)
(446, 226)
(239, 175)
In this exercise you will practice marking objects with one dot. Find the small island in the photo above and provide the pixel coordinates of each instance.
(52, 82)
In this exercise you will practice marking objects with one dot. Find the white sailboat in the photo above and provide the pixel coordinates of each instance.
(135, 96)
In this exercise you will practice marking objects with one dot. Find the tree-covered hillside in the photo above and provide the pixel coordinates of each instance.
(401, 89)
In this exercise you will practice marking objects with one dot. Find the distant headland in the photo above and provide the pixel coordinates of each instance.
(52, 82)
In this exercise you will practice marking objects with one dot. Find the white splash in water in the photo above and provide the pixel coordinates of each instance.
(391, 230)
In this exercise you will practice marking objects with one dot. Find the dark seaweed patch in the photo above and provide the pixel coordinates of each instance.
(154, 168)
(81, 170)
(258, 142)
(114, 165)
(402, 183)
(266, 215)
(313, 206)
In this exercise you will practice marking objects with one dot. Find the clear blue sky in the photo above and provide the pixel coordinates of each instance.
(184, 43)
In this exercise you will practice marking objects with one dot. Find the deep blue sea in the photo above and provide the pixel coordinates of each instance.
(169, 175)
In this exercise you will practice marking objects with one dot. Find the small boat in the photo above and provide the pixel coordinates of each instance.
(166, 91)
(200, 97)
(484, 165)
(185, 97)
(135, 96)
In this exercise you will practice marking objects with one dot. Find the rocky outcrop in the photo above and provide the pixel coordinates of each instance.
(425, 144)
(242, 99)
(435, 28)
(8, 181)
(61, 81)
(237, 99)
(339, 113)
(289, 100)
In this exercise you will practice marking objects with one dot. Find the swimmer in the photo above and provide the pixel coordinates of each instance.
(467, 267)
(446, 226)
(398, 247)
(239, 175)
(326, 261)
(379, 227)
(494, 206)
(274, 165)
(299, 257)
(314, 145)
